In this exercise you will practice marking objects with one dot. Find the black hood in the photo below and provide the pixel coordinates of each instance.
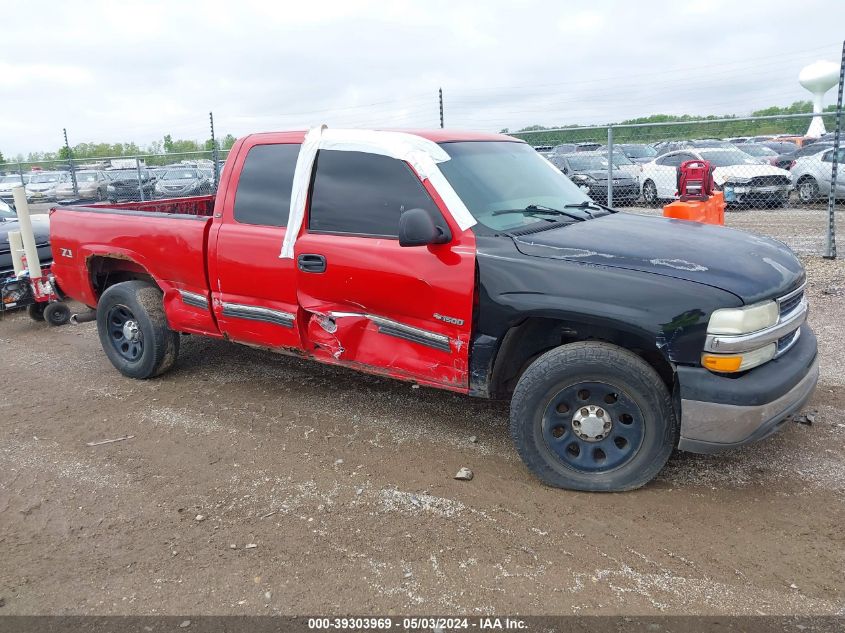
(750, 266)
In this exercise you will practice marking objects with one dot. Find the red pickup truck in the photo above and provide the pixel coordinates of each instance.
(465, 262)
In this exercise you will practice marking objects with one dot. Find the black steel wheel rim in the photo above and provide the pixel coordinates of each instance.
(572, 432)
(124, 333)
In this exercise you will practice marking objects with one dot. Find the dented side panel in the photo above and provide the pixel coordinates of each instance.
(402, 311)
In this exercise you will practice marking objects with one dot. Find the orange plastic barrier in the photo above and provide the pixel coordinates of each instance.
(710, 211)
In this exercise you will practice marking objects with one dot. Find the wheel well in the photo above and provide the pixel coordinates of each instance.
(108, 270)
(523, 343)
(805, 178)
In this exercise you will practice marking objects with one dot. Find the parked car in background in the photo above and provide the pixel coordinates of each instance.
(785, 161)
(743, 178)
(11, 180)
(811, 175)
(588, 170)
(759, 151)
(665, 147)
(90, 185)
(42, 186)
(183, 181)
(124, 184)
(780, 147)
(9, 222)
(542, 150)
(637, 152)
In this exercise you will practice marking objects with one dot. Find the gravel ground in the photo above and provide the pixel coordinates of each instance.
(255, 483)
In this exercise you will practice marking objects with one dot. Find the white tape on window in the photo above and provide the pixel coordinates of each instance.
(422, 154)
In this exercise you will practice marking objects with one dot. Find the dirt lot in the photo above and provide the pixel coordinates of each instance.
(256, 483)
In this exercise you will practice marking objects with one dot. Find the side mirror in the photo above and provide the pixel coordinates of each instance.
(416, 228)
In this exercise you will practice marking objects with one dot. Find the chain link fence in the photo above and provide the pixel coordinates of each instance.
(114, 179)
(759, 163)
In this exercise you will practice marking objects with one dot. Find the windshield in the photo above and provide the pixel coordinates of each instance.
(758, 150)
(126, 174)
(639, 151)
(86, 176)
(6, 213)
(5, 180)
(180, 174)
(497, 175)
(727, 157)
(45, 178)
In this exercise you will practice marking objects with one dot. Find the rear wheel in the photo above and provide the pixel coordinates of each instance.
(808, 189)
(36, 311)
(57, 313)
(134, 332)
(592, 416)
(650, 193)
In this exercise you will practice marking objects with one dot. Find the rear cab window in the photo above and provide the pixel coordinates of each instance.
(264, 186)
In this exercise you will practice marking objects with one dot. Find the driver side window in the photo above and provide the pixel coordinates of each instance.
(357, 193)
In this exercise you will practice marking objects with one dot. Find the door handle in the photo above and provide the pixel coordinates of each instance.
(311, 263)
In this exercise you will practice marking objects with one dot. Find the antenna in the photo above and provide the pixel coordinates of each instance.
(818, 78)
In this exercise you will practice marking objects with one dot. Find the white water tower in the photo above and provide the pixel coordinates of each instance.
(818, 78)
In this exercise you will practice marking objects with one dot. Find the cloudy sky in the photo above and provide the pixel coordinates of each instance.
(133, 71)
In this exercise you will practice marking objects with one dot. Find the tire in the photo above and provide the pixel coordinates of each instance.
(133, 330)
(57, 314)
(614, 386)
(99, 195)
(650, 194)
(36, 311)
(808, 189)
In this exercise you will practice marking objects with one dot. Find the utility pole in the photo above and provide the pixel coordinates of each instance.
(70, 165)
(830, 251)
(440, 93)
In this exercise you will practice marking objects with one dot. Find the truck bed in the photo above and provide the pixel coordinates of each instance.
(166, 239)
(197, 205)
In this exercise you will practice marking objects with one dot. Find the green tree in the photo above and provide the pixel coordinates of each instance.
(168, 143)
(2, 158)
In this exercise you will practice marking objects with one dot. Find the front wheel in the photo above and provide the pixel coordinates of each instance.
(134, 332)
(593, 416)
(650, 193)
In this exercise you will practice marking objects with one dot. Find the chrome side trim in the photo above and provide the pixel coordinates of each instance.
(734, 344)
(194, 299)
(257, 313)
(390, 327)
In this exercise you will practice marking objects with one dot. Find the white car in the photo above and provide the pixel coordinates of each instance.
(42, 185)
(743, 178)
(811, 175)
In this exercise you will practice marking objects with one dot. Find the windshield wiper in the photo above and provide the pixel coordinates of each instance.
(538, 209)
(590, 204)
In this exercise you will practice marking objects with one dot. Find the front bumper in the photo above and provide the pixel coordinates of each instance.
(721, 412)
(738, 193)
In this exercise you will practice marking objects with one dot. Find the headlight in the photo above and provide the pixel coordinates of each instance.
(730, 363)
(744, 320)
(583, 177)
(738, 180)
(110, 188)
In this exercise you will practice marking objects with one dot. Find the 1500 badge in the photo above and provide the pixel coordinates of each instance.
(448, 319)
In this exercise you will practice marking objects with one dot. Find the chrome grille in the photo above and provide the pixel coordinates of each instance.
(789, 302)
